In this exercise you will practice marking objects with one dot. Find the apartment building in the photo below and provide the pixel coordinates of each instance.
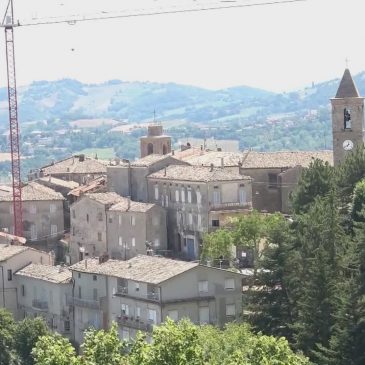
(130, 178)
(145, 290)
(12, 259)
(43, 214)
(197, 199)
(274, 175)
(135, 228)
(43, 291)
(88, 236)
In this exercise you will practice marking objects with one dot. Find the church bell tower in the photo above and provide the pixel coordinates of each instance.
(347, 118)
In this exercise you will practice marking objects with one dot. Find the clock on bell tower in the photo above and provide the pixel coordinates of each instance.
(347, 118)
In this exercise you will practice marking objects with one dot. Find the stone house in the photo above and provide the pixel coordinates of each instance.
(12, 259)
(130, 178)
(145, 290)
(135, 228)
(274, 174)
(196, 198)
(43, 214)
(78, 168)
(43, 291)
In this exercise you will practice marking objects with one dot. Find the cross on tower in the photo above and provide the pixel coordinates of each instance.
(347, 62)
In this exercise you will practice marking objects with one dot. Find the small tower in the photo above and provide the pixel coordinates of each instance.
(155, 142)
(347, 118)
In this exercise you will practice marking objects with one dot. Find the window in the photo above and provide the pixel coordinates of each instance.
(120, 241)
(177, 197)
(79, 292)
(52, 208)
(215, 222)
(273, 180)
(99, 236)
(66, 325)
(33, 209)
(73, 230)
(120, 219)
(73, 213)
(33, 232)
(347, 118)
(189, 195)
(87, 218)
(110, 220)
(152, 315)
(95, 277)
(53, 229)
(137, 286)
(229, 284)
(79, 275)
(198, 197)
(230, 310)
(133, 220)
(242, 196)
(173, 314)
(203, 315)
(138, 312)
(23, 291)
(156, 192)
(166, 200)
(190, 217)
(133, 242)
(100, 216)
(162, 201)
(125, 309)
(183, 195)
(199, 220)
(216, 195)
(95, 294)
(203, 286)
(125, 334)
(11, 209)
(157, 242)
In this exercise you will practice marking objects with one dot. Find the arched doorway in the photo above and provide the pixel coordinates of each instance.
(149, 149)
(164, 149)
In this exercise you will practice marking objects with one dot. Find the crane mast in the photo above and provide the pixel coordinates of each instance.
(13, 121)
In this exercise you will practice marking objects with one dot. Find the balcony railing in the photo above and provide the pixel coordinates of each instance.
(230, 206)
(86, 303)
(40, 304)
(135, 323)
(150, 296)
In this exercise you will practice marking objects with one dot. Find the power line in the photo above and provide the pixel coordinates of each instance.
(73, 19)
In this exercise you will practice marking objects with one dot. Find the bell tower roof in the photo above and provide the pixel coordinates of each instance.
(347, 88)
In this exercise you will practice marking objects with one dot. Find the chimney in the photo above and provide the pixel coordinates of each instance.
(164, 172)
(222, 162)
(173, 152)
(81, 158)
(85, 263)
(211, 167)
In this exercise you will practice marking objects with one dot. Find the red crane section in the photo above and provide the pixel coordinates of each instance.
(13, 123)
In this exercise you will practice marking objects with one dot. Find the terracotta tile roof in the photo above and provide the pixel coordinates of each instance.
(128, 205)
(93, 186)
(59, 182)
(197, 173)
(35, 192)
(52, 274)
(108, 198)
(147, 269)
(150, 160)
(73, 165)
(8, 251)
(8, 238)
(347, 87)
(253, 159)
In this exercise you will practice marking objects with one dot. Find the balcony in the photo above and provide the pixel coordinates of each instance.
(40, 304)
(230, 206)
(85, 303)
(135, 323)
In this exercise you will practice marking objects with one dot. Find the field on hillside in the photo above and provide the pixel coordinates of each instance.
(102, 153)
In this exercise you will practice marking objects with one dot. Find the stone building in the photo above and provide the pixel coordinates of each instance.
(347, 118)
(43, 291)
(145, 290)
(106, 223)
(78, 168)
(130, 179)
(12, 259)
(196, 198)
(43, 214)
(155, 142)
(274, 175)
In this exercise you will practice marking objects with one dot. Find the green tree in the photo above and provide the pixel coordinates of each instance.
(7, 330)
(26, 335)
(358, 202)
(315, 181)
(217, 245)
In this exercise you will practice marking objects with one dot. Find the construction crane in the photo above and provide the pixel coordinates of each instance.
(8, 24)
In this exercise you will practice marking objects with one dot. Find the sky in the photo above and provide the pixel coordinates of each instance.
(275, 47)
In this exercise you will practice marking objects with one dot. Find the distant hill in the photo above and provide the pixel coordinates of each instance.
(132, 101)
